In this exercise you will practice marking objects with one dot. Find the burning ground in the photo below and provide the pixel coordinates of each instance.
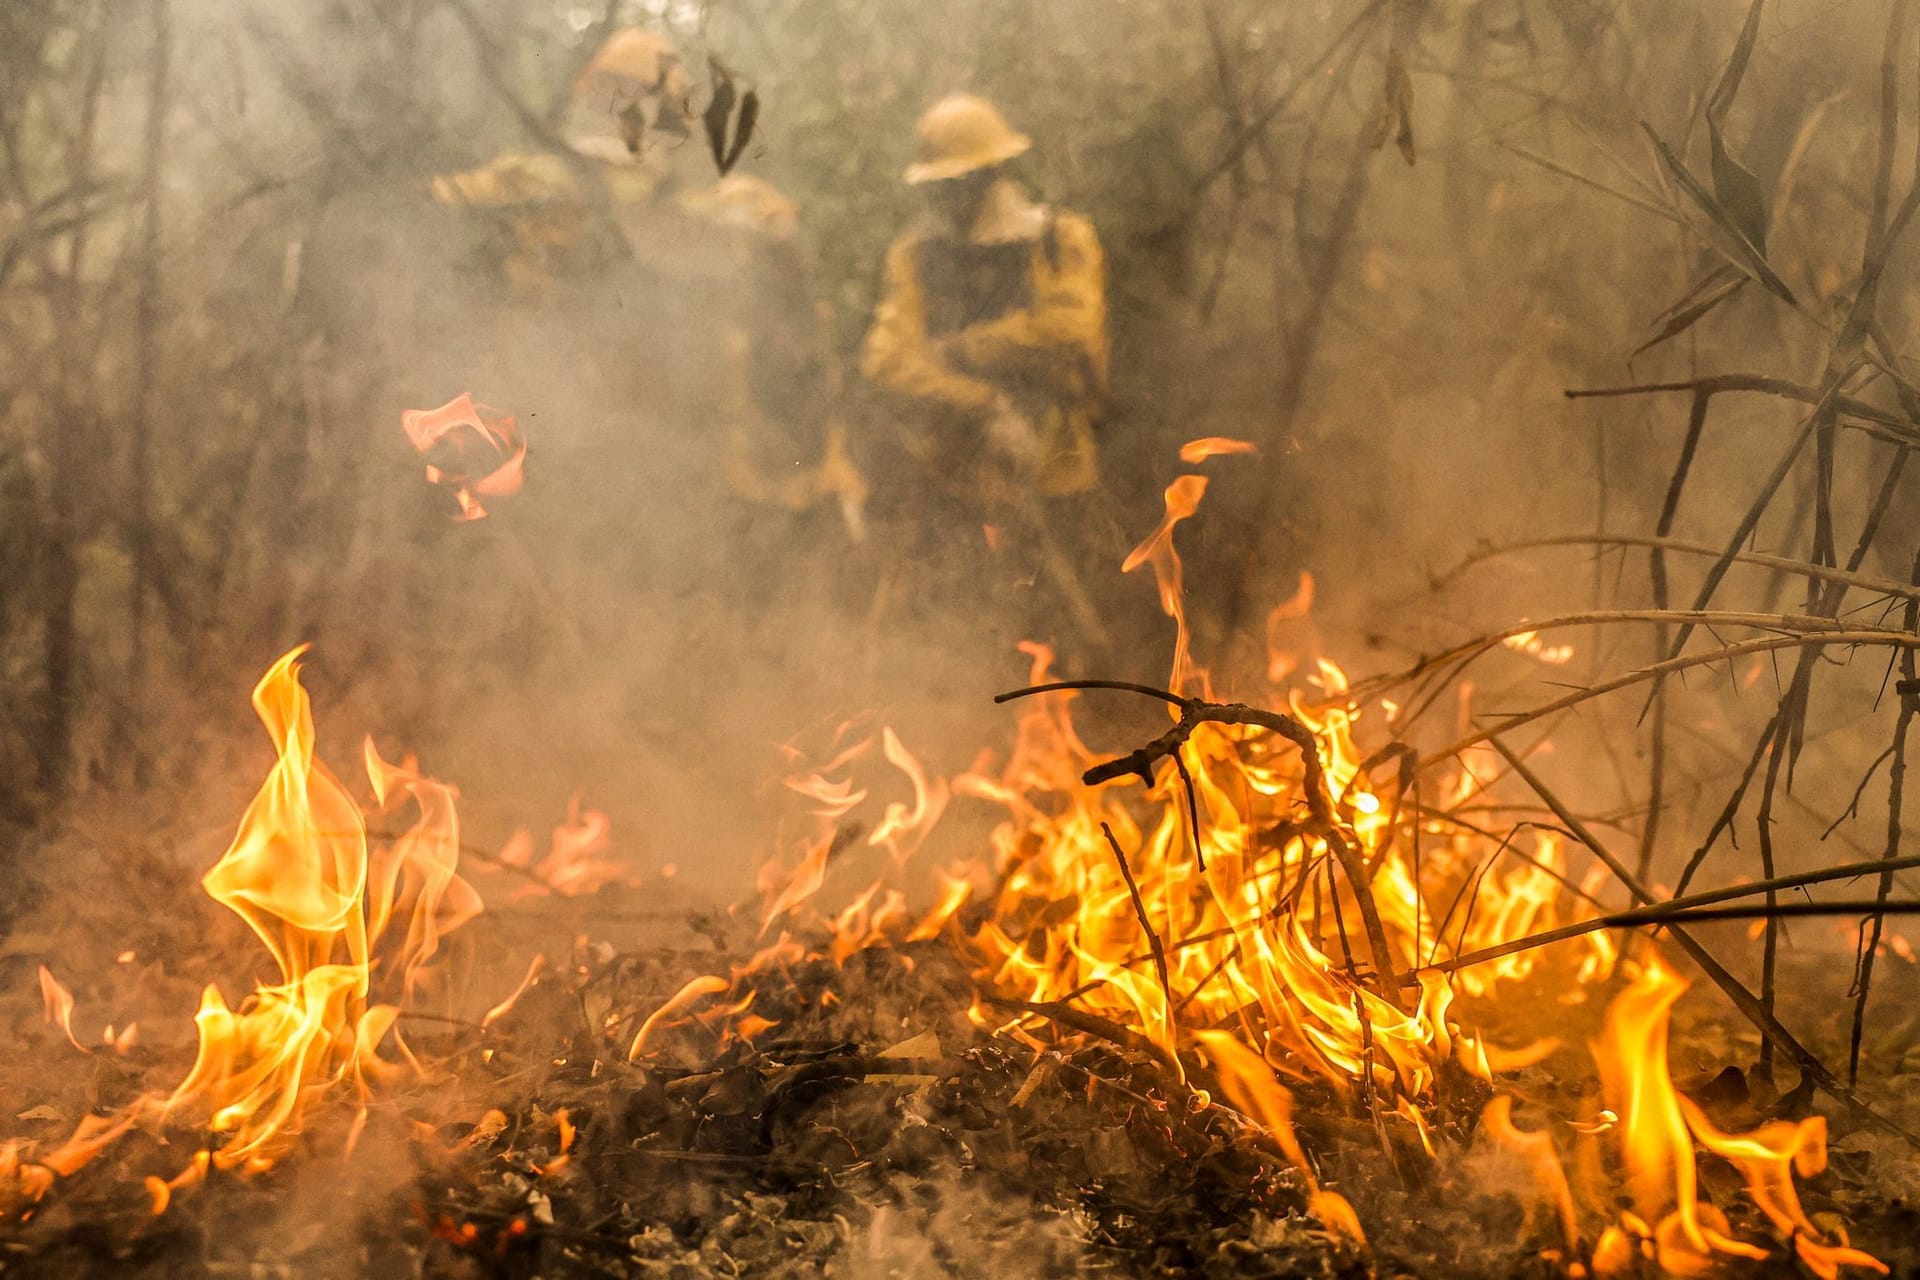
(1261, 996)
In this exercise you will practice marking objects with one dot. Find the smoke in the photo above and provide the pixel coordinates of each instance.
(1395, 336)
(632, 630)
(952, 1226)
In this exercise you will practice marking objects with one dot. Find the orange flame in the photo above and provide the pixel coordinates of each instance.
(1285, 623)
(1198, 451)
(1183, 500)
(501, 1010)
(577, 861)
(1657, 1129)
(298, 871)
(59, 1006)
(705, 985)
(1251, 1083)
(903, 827)
(299, 874)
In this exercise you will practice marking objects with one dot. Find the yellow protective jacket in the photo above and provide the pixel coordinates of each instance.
(1017, 313)
(552, 232)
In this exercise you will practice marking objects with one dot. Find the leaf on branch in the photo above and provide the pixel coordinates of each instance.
(742, 129)
(729, 133)
(1735, 188)
(1722, 96)
(1712, 279)
(1396, 110)
(1739, 193)
(1783, 186)
(719, 112)
(1689, 314)
(1734, 240)
(1733, 183)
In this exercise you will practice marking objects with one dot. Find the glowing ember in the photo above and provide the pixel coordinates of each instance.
(470, 449)
(1197, 451)
(1530, 643)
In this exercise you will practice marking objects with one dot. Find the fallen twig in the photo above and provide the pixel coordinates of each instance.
(1909, 693)
(1657, 913)
(1091, 1024)
(1146, 925)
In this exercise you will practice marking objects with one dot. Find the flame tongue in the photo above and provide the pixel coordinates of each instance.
(59, 1005)
(296, 871)
(1657, 1131)
(299, 873)
(1183, 500)
(1632, 1056)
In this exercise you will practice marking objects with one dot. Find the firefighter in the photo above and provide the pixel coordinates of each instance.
(570, 215)
(990, 339)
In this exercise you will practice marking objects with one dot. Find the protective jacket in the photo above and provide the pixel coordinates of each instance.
(548, 215)
(1015, 313)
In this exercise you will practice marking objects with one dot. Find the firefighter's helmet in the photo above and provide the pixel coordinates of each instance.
(959, 135)
(634, 62)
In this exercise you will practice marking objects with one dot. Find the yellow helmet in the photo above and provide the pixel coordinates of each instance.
(633, 61)
(959, 134)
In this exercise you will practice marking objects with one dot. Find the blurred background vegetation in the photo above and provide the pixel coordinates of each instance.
(1376, 237)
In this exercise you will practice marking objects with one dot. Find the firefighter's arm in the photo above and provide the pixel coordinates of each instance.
(507, 180)
(1068, 317)
(898, 355)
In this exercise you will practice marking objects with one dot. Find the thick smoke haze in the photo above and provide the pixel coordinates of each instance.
(1382, 248)
(1394, 336)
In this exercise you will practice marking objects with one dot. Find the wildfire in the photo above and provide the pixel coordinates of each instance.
(300, 873)
(1243, 905)
(1257, 969)
(1251, 888)
(1272, 982)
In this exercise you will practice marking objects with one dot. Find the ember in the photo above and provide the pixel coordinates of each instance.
(470, 449)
